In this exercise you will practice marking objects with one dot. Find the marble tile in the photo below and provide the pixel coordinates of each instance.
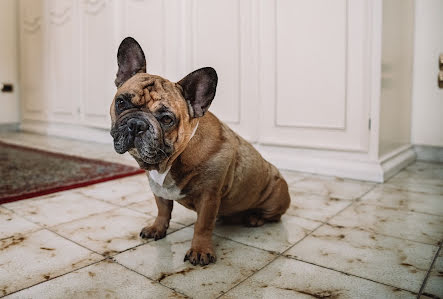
(293, 176)
(434, 285)
(110, 232)
(415, 186)
(421, 172)
(102, 280)
(120, 192)
(314, 206)
(32, 258)
(404, 200)
(163, 262)
(12, 224)
(420, 177)
(180, 214)
(275, 237)
(413, 226)
(331, 186)
(58, 207)
(399, 263)
(288, 278)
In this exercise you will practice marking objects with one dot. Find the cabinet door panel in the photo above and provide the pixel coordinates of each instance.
(311, 63)
(63, 61)
(222, 35)
(312, 57)
(99, 64)
(145, 21)
(216, 43)
(32, 59)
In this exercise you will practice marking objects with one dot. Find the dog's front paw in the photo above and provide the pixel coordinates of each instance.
(153, 231)
(202, 256)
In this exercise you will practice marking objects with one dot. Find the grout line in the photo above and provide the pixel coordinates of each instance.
(282, 253)
(93, 251)
(404, 211)
(428, 273)
(151, 279)
(349, 274)
(41, 282)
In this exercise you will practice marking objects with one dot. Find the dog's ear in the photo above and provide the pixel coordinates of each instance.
(199, 90)
(131, 60)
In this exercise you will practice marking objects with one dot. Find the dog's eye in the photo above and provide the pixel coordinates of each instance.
(120, 104)
(166, 120)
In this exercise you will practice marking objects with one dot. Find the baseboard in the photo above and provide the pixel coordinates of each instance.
(342, 164)
(397, 160)
(429, 153)
(67, 131)
(9, 127)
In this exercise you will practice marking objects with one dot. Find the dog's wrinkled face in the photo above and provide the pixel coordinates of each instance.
(153, 118)
(149, 115)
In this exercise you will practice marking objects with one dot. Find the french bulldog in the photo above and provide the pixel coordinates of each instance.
(189, 155)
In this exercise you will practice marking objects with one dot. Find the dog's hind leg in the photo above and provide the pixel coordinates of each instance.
(277, 202)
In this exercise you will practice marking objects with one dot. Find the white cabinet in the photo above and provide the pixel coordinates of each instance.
(300, 79)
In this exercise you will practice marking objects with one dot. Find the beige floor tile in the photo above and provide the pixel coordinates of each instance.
(120, 192)
(397, 262)
(180, 214)
(421, 172)
(331, 186)
(288, 278)
(110, 232)
(163, 261)
(314, 206)
(434, 285)
(12, 224)
(29, 259)
(272, 236)
(392, 222)
(406, 201)
(56, 208)
(420, 177)
(293, 176)
(102, 280)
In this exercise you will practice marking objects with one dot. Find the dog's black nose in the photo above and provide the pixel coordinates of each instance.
(136, 127)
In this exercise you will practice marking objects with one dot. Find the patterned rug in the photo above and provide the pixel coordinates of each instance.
(27, 172)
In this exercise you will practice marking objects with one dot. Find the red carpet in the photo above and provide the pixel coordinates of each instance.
(26, 172)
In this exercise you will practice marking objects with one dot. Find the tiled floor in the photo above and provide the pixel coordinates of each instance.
(339, 239)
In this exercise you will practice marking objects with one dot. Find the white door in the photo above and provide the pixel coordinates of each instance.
(9, 112)
(314, 73)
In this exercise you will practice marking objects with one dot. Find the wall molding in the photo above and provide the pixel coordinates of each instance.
(357, 166)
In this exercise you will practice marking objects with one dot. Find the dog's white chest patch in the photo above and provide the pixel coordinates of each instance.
(163, 185)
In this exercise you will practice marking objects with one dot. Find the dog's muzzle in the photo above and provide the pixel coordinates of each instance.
(139, 129)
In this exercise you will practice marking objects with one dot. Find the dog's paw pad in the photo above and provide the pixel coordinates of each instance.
(254, 220)
(200, 257)
(150, 232)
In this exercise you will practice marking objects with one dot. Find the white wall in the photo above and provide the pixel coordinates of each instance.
(397, 48)
(427, 100)
(9, 107)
